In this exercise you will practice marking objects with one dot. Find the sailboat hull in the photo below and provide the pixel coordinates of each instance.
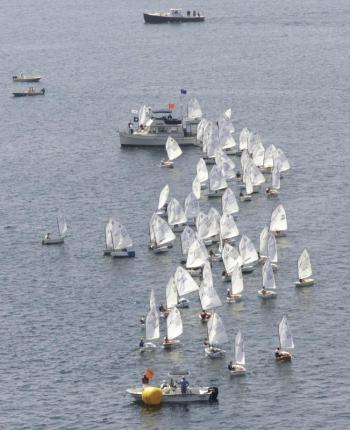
(239, 370)
(214, 352)
(234, 299)
(284, 356)
(148, 347)
(267, 295)
(56, 241)
(171, 344)
(215, 193)
(305, 283)
(122, 254)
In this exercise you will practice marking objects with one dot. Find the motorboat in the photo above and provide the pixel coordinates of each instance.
(153, 127)
(30, 92)
(25, 78)
(174, 15)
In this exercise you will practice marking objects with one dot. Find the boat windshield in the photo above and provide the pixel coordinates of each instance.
(176, 12)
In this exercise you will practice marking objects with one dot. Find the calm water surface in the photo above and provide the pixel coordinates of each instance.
(69, 316)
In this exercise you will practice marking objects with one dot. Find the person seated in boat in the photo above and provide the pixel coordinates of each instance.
(188, 13)
(166, 340)
(211, 253)
(301, 280)
(48, 236)
(145, 379)
(162, 308)
(205, 342)
(142, 343)
(143, 320)
(238, 176)
(142, 127)
(204, 315)
(231, 366)
(224, 273)
(228, 295)
(268, 190)
(241, 194)
(263, 291)
(184, 385)
(164, 384)
(278, 353)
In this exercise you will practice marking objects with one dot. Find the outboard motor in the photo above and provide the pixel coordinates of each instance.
(214, 392)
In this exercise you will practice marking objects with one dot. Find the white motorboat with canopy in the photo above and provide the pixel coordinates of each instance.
(62, 230)
(176, 215)
(269, 284)
(286, 342)
(229, 202)
(217, 182)
(238, 369)
(161, 235)
(173, 150)
(163, 201)
(174, 329)
(304, 270)
(216, 337)
(248, 254)
(122, 245)
(278, 224)
(235, 294)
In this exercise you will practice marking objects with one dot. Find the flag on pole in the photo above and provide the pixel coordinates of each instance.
(183, 91)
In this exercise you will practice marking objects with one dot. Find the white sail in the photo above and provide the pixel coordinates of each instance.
(163, 196)
(174, 324)
(108, 233)
(172, 148)
(229, 202)
(276, 180)
(228, 227)
(184, 282)
(196, 188)
(264, 236)
(216, 330)
(187, 238)
(281, 160)
(237, 285)
(121, 238)
(248, 185)
(269, 156)
(268, 276)
(61, 224)
(144, 115)
(203, 224)
(230, 257)
(171, 294)
(304, 265)
(216, 179)
(256, 176)
(207, 275)
(200, 129)
(226, 165)
(285, 335)
(152, 325)
(211, 139)
(278, 219)
(239, 349)
(194, 110)
(247, 250)
(202, 171)
(191, 206)
(152, 301)
(197, 255)
(161, 231)
(227, 141)
(209, 297)
(214, 222)
(176, 214)
(259, 155)
(244, 139)
(272, 248)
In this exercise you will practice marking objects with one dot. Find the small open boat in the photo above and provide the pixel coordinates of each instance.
(174, 329)
(217, 336)
(238, 369)
(30, 92)
(25, 78)
(173, 150)
(174, 15)
(269, 284)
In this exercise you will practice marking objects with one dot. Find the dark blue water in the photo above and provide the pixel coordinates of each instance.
(69, 316)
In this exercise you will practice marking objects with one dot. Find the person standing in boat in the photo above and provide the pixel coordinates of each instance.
(145, 379)
(142, 343)
(131, 127)
(184, 385)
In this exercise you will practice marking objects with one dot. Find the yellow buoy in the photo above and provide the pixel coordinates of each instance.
(152, 396)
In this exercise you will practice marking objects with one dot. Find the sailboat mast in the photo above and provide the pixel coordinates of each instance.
(58, 227)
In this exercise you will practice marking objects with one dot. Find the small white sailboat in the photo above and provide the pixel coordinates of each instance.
(152, 326)
(272, 250)
(235, 294)
(176, 215)
(217, 183)
(62, 230)
(269, 284)
(163, 201)
(227, 166)
(109, 236)
(238, 369)
(216, 337)
(275, 184)
(229, 202)
(202, 173)
(278, 224)
(121, 242)
(230, 257)
(281, 161)
(161, 235)
(196, 257)
(174, 329)
(248, 253)
(173, 150)
(269, 158)
(246, 196)
(187, 237)
(228, 228)
(304, 270)
(207, 294)
(263, 246)
(185, 284)
(192, 209)
(285, 341)
(196, 188)
(172, 298)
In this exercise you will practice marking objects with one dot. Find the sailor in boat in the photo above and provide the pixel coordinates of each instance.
(131, 127)
(263, 292)
(166, 340)
(231, 366)
(48, 236)
(142, 320)
(145, 379)
(238, 176)
(204, 315)
(142, 343)
(277, 353)
(206, 342)
(162, 308)
(184, 384)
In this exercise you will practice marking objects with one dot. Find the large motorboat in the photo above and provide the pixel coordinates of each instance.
(154, 129)
(25, 78)
(29, 92)
(174, 15)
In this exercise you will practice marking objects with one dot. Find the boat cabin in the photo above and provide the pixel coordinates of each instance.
(176, 12)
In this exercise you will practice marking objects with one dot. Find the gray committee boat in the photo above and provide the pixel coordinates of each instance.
(30, 92)
(174, 15)
(152, 128)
